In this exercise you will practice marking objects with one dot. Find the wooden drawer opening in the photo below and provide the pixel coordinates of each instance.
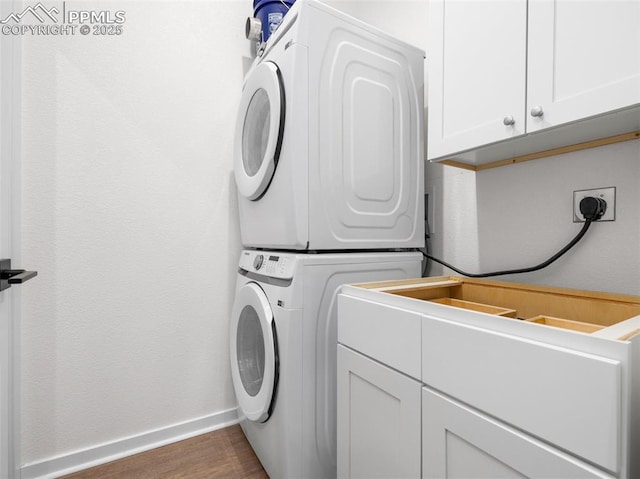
(576, 310)
(566, 324)
(482, 308)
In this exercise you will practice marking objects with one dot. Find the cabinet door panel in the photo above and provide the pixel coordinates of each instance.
(563, 396)
(584, 59)
(477, 72)
(378, 420)
(459, 442)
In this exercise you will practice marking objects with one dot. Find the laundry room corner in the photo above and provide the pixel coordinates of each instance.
(452, 210)
(525, 215)
(519, 215)
(129, 209)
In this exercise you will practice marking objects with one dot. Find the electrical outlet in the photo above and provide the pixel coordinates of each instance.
(607, 194)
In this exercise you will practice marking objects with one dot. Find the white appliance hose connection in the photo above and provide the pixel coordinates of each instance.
(253, 29)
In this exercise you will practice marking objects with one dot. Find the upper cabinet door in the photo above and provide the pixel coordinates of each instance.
(584, 59)
(477, 71)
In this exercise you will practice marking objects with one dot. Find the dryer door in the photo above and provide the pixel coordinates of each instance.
(254, 353)
(259, 129)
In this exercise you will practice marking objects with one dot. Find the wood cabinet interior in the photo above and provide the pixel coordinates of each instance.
(565, 323)
(483, 308)
(584, 311)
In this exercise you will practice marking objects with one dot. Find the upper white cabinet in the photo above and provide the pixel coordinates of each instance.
(583, 59)
(477, 70)
(501, 70)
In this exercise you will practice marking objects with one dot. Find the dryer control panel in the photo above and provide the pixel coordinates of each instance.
(268, 263)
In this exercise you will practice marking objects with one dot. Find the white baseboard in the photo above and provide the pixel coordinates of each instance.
(94, 456)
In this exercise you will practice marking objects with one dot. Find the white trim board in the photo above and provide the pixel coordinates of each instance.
(103, 453)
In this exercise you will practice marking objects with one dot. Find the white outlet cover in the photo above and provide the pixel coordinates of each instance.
(608, 194)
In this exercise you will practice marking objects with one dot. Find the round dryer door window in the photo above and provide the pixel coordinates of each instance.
(254, 353)
(259, 128)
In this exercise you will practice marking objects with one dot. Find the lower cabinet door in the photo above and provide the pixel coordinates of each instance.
(460, 442)
(378, 420)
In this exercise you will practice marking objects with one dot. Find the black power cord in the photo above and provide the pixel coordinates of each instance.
(426, 251)
(591, 208)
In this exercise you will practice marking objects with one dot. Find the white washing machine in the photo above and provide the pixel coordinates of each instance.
(283, 351)
(329, 137)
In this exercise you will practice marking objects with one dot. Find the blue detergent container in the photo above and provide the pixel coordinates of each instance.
(270, 13)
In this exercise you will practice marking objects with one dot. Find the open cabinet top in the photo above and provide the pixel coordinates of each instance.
(577, 310)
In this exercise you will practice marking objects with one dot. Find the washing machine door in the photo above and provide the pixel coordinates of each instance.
(259, 129)
(254, 353)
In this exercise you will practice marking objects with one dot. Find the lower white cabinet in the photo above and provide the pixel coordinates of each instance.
(459, 442)
(457, 378)
(378, 420)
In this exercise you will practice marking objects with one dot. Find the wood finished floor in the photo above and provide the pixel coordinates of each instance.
(220, 454)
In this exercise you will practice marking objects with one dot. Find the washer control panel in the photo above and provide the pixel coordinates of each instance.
(274, 264)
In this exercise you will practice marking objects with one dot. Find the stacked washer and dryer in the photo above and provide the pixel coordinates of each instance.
(329, 172)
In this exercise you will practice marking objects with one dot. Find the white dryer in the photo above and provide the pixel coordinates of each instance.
(283, 342)
(329, 137)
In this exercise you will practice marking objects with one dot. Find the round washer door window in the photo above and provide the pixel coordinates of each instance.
(259, 128)
(254, 353)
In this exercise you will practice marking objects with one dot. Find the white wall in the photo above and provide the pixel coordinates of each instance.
(453, 217)
(524, 216)
(404, 19)
(129, 214)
